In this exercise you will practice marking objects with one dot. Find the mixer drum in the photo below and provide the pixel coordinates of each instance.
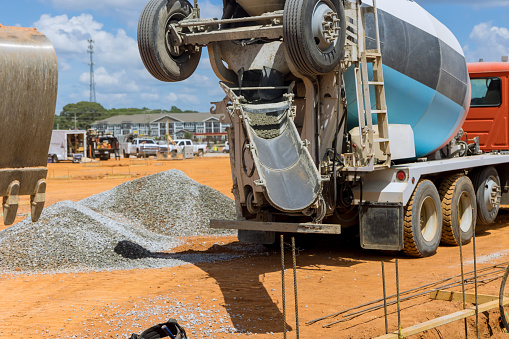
(426, 78)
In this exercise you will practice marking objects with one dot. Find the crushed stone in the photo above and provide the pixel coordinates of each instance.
(131, 226)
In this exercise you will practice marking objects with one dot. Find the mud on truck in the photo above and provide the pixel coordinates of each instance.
(28, 93)
(344, 114)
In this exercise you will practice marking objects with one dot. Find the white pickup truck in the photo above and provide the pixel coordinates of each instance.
(141, 147)
(180, 144)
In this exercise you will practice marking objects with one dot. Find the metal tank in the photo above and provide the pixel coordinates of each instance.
(426, 78)
(28, 92)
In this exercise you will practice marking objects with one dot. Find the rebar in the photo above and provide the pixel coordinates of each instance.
(397, 298)
(408, 291)
(475, 286)
(503, 314)
(385, 299)
(390, 303)
(295, 287)
(463, 280)
(283, 284)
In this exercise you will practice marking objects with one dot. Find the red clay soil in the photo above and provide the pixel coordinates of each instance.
(333, 274)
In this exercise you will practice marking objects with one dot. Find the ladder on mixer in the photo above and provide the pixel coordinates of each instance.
(365, 110)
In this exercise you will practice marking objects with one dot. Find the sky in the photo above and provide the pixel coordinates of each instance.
(481, 26)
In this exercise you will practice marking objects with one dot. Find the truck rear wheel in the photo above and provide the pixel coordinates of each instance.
(54, 159)
(157, 42)
(314, 33)
(459, 209)
(423, 221)
(487, 187)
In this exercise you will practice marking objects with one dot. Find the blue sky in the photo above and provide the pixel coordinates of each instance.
(481, 26)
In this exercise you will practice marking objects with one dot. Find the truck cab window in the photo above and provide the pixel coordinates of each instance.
(486, 92)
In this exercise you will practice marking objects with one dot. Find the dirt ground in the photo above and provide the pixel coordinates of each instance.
(241, 297)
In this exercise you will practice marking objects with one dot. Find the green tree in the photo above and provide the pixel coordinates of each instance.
(80, 115)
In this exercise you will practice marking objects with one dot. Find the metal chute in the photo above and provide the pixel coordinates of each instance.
(286, 170)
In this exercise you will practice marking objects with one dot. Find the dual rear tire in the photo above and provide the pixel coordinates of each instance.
(449, 215)
(422, 223)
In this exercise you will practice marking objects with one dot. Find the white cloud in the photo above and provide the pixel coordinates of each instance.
(209, 10)
(63, 66)
(70, 38)
(150, 96)
(128, 10)
(487, 42)
(110, 81)
(472, 3)
(114, 98)
(120, 77)
(182, 98)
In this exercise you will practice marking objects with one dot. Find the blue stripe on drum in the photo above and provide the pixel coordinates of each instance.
(433, 116)
(420, 55)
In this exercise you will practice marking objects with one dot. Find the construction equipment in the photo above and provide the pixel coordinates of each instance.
(344, 113)
(102, 145)
(28, 92)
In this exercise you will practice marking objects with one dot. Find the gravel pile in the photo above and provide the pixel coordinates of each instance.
(168, 203)
(127, 227)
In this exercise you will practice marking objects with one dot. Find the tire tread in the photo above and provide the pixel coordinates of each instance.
(410, 247)
(446, 192)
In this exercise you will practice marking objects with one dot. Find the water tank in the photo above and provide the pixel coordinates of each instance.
(426, 78)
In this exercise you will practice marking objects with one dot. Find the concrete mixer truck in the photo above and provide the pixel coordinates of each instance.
(344, 114)
(28, 92)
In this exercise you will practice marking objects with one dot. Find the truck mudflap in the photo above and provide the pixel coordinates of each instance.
(381, 226)
(287, 172)
(28, 92)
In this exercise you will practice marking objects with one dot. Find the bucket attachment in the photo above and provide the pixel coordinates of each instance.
(28, 91)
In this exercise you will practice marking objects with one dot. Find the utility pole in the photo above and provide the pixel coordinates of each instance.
(91, 63)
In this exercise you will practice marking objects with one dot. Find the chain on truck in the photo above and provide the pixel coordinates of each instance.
(343, 114)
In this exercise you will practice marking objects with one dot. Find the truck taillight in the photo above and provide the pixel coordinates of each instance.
(401, 175)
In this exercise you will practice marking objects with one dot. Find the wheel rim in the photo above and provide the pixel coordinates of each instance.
(465, 214)
(491, 193)
(174, 51)
(428, 219)
(325, 27)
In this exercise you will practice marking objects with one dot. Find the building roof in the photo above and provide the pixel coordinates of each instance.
(154, 118)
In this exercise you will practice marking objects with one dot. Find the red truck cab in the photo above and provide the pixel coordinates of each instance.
(488, 117)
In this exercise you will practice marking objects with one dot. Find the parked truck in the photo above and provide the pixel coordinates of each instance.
(343, 114)
(68, 145)
(102, 145)
(28, 93)
(181, 145)
(140, 147)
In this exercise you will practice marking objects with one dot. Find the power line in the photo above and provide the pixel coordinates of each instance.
(91, 63)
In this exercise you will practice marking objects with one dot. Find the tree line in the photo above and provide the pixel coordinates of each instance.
(81, 115)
